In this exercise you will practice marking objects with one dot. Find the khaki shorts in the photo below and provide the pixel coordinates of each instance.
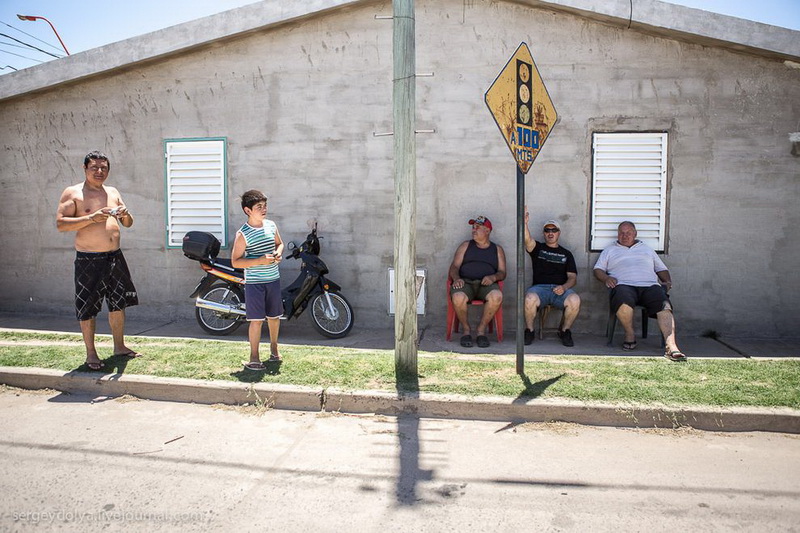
(474, 290)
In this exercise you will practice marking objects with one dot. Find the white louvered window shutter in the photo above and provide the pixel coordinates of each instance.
(629, 183)
(195, 172)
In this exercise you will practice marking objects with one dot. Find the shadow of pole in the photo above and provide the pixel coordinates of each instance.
(531, 391)
(534, 390)
(410, 473)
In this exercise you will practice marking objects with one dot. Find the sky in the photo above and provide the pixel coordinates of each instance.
(86, 24)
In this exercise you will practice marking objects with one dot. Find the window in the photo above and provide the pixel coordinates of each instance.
(629, 182)
(196, 188)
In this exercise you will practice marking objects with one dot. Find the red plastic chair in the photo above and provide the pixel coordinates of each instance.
(452, 320)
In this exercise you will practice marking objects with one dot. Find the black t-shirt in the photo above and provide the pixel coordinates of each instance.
(550, 265)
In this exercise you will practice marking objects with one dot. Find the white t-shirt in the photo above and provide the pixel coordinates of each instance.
(635, 266)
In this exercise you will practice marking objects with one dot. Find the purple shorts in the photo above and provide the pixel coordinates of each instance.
(263, 300)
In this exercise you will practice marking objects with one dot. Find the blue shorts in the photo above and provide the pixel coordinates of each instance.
(547, 297)
(263, 300)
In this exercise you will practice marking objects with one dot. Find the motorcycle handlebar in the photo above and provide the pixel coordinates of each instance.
(311, 244)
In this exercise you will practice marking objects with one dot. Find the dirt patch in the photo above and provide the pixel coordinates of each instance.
(127, 398)
(680, 431)
(248, 409)
(559, 428)
(258, 407)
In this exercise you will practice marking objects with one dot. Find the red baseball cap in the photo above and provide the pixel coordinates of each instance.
(482, 220)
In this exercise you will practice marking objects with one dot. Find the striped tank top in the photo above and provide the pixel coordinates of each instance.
(259, 242)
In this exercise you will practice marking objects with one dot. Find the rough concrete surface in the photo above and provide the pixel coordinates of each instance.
(416, 404)
(84, 463)
(422, 404)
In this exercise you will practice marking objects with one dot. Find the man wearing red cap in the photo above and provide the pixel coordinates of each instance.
(477, 267)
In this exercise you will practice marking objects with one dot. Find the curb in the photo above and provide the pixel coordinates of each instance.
(427, 405)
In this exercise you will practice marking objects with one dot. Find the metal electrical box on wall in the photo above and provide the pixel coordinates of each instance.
(421, 290)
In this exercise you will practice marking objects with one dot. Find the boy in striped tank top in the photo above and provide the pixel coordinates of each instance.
(258, 249)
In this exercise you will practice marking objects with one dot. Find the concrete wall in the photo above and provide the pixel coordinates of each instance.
(299, 103)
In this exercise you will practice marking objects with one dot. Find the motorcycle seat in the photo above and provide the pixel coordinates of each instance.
(225, 265)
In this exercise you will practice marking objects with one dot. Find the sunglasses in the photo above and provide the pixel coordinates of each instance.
(551, 230)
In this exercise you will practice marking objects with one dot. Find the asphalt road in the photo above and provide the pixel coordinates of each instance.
(76, 463)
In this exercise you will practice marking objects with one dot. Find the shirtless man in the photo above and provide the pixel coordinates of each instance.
(95, 211)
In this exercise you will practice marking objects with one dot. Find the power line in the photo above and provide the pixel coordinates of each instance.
(30, 46)
(23, 57)
(14, 45)
(31, 36)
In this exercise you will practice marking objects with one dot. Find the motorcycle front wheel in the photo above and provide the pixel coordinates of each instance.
(333, 321)
(216, 322)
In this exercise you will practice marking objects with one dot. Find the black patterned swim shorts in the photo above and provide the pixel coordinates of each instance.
(102, 276)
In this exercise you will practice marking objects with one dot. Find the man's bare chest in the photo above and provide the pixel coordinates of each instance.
(90, 202)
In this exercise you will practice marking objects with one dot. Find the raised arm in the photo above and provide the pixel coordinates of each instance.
(530, 242)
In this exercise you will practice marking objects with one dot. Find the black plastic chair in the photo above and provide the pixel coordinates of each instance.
(611, 325)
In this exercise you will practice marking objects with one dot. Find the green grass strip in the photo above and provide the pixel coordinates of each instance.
(618, 380)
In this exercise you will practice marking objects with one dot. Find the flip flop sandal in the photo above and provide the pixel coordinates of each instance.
(628, 346)
(254, 366)
(275, 358)
(466, 341)
(675, 355)
(482, 341)
(94, 366)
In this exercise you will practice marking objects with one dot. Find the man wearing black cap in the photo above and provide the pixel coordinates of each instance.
(554, 275)
(477, 267)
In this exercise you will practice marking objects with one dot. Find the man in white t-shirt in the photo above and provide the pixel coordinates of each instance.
(635, 276)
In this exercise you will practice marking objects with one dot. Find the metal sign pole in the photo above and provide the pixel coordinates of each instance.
(520, 272)
(525, 115)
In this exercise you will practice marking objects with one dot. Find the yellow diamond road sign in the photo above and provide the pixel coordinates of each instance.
(522, 108)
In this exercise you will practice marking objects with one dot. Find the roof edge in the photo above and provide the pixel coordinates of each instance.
(652, 17)
(685, 24)
(162, 43)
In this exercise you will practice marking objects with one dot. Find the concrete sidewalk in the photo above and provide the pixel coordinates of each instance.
(432, 339)
(421, 404)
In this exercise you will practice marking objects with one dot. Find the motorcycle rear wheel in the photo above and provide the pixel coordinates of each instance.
(215, 322)
(338, 321)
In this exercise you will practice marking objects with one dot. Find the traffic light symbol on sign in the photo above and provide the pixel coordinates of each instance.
(525, 139)
(523, 93)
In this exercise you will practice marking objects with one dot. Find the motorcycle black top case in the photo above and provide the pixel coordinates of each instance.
(200, 246)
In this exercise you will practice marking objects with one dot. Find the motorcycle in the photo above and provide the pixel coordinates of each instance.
(219, 297)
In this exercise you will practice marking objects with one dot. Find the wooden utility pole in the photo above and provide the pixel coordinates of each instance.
(405, 188)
